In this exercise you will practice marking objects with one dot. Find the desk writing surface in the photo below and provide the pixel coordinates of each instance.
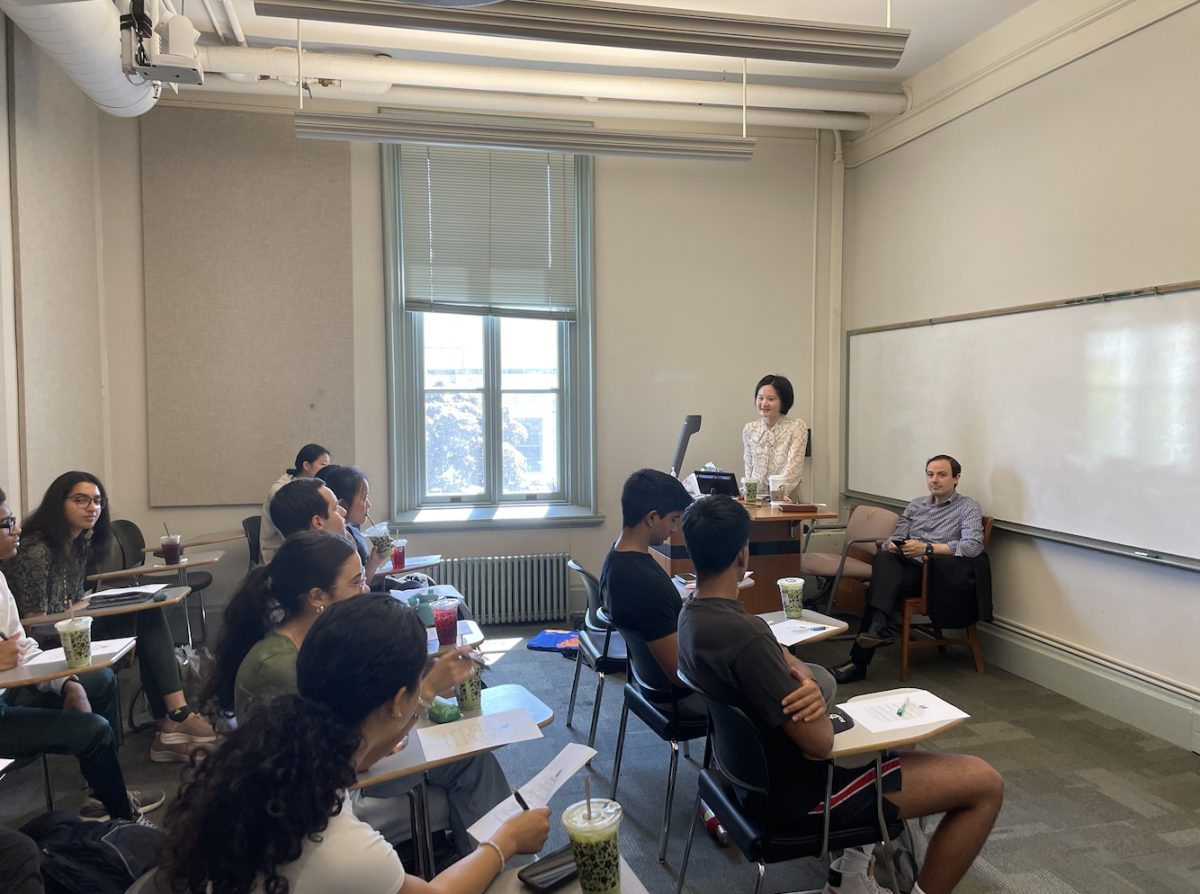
(859, 740)
(508, 883)
(52, 664)
(469, 629)
(174, 595)
(201, 540)
(495, 699)
(186, 563)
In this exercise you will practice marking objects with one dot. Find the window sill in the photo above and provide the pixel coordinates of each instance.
(495, 518)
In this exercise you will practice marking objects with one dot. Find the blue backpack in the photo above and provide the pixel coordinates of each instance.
(79, 857)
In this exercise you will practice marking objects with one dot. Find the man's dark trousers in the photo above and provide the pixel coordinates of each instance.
(892, 578)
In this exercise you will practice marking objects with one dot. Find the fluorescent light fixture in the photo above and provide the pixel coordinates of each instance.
(390, 129)
(598, 23)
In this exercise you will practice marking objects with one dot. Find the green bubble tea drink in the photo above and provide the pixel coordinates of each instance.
(76, 636)
(791, 590)
(750, 489)
(594, 844)
(469, 691)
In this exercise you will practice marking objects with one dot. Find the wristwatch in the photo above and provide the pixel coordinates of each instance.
(929, 549)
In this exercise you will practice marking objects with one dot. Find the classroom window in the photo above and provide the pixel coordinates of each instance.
(489, 276)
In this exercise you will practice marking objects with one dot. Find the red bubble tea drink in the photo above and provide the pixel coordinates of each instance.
(445, 620)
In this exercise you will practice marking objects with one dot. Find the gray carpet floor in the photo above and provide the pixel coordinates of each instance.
(1092, 806)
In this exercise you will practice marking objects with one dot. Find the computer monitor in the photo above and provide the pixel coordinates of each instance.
(717, 483)
(691, 425)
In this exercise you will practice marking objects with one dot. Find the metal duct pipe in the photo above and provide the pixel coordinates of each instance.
(84, 40)
(280, 62)
(474, 100)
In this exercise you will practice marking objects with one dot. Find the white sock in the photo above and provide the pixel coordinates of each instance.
(855, 859)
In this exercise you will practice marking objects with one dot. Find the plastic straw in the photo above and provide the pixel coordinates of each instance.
(165, 528)
(587, 796)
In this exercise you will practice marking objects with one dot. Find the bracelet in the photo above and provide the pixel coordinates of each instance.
(423, 705)
(499, 853)
(74, 678)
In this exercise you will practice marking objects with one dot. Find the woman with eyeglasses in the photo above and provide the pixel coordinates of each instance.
(268, 809)
(266, 625)
(70, 528)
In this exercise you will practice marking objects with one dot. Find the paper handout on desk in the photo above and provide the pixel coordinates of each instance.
(475, 733)
(793, 631)
(879, 714)
(537, 792)
(101, 595)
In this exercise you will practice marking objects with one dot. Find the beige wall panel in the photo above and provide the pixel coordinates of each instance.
(1044, 194)
(249, 314)
(58, 291)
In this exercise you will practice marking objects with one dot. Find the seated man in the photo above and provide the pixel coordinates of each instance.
(641, 596)
(943, 524)
(734, 657)
(71, 715)
(305, 504)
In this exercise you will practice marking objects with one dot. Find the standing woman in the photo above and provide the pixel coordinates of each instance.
(268, 810)
(353, 493)
(775, 444)
(310, 460)
(70, 528)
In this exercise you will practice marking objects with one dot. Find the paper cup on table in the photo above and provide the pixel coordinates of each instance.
(791, 590)
(777, 484)
(76, 636)
(750, 489)
(594, 844)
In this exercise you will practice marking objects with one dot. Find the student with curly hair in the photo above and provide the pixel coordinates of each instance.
(267, 811)
(70, 529)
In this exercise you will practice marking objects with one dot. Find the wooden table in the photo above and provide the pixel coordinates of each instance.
(202, 540)
(411, 760)
(415, 563)
(174, 595)
(776, 546)
(182, 566)
(508, 883)
(52, 664)
(469, 629)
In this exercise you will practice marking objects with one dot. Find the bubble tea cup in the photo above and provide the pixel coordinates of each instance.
(76, 636)
(594, 844)
(445, 619)
(791, 591)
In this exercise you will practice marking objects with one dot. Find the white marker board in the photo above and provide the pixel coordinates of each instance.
(1081, 420)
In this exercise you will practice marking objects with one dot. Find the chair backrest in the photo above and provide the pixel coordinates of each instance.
(592, 585)
(987, 530)
(737, 743)
(253, 527)
(872, 522)
(129, 537)
(646, 671)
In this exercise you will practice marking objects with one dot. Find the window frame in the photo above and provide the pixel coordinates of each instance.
(575, 502)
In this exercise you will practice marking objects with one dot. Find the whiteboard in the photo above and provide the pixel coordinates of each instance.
(1082, 420)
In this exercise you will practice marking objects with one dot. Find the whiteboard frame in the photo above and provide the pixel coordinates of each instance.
(1117, 549)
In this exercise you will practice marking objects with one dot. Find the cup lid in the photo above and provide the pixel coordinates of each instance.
(605, 814)
(790, 582)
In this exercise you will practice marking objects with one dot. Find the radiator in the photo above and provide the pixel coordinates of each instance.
(510, 589)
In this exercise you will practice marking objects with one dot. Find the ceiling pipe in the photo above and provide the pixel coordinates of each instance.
(84, 40)
(280, 62)
(474, 100)
(235, 24)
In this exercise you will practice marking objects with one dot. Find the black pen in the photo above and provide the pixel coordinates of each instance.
(520, 800)
(3, 636)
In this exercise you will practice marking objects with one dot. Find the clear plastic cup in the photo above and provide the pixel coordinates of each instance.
(595, 845)
(76, 636)
(445, 620)
(170, 549)
(791, 591)
(470, 691)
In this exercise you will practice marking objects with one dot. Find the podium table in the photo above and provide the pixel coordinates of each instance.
(776, 544)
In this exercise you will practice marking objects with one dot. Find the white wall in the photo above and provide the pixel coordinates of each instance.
(1081, 182)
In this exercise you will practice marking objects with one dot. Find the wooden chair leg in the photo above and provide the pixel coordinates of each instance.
(973, 637)
(905, 633)
(937, 632)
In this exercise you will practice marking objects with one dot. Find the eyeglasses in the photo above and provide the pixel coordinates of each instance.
(84, 500)
(7, 524)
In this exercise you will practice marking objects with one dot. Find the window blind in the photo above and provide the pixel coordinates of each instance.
(488, 232)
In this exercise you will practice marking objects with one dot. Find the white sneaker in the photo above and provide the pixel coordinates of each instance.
(852, 883)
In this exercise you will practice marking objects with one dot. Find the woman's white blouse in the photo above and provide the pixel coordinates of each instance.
(776, 451)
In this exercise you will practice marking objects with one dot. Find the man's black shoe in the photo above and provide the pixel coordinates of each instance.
(849, 672)
(878, 633)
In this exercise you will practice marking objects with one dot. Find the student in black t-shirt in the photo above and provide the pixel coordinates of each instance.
(733, 656)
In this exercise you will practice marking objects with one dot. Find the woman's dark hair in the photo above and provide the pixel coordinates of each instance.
(782, 387)
(270, 595)
(715, 529)
(49, 520)
(3, 496)
(307, 454)
(246, 809)
(344, 481)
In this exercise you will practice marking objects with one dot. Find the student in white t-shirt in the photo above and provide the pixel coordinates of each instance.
(269, 804)
(310, 460)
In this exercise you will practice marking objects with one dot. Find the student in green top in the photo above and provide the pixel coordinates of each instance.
(264, 626)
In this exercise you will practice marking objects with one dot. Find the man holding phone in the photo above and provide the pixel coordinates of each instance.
(944, 523)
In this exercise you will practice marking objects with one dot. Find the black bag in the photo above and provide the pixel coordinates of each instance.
(79, 857)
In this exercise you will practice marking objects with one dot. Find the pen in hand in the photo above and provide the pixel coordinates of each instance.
(520, 800)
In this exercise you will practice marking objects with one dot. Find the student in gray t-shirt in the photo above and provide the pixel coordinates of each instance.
(732, 656)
